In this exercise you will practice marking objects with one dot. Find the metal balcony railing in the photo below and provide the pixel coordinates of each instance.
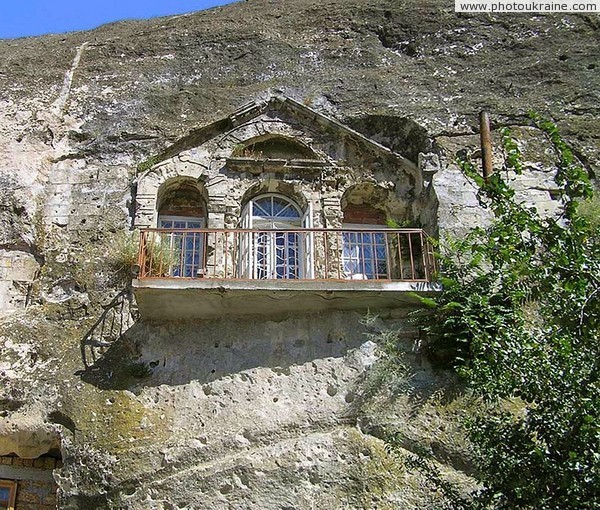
(291, 254)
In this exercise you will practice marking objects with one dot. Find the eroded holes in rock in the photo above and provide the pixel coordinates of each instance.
(275, 399)
(332, 390)
(562, 58)
(9, 405)
(225, 489)
(335, 336)
(591, 66)
(61, 418)
(128, 491)
(207, 390)
(349, 398)
(154, 364)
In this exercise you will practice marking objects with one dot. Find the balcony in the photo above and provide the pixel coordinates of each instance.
(208, 273)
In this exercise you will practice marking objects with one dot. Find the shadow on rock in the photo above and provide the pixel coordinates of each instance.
(178, 352)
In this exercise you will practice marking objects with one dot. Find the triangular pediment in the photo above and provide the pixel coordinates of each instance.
(268, 127)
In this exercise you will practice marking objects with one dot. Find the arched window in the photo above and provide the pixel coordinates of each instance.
(181, 212)
(274, 248)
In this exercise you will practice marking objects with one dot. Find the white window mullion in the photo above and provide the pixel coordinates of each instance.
(247, 255)
(307, 259)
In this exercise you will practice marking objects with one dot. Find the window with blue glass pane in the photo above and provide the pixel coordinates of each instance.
(365, 255)
(185, 249)
(8, 490)
(276, 254)
(275, 207)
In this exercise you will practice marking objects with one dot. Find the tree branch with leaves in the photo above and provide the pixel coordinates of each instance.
(519, 314)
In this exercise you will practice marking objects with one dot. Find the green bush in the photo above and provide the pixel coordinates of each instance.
(520, 315)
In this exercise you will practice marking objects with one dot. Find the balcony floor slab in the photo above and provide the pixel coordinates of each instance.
(204, 298)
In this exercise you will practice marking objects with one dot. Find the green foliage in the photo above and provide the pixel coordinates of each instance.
(147, 164)
(122, 254)
(520, 313)
(590, 210)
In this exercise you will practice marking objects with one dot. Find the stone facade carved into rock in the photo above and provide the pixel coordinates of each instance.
(281, 146)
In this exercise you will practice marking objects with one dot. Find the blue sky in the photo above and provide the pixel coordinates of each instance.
(19, 18)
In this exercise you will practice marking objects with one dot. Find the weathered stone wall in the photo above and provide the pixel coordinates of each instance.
(255, 413)
(147, 424)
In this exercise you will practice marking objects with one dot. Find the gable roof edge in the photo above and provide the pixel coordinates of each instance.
(295, 105)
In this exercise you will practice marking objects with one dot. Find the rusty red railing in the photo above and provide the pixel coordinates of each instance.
(291, 254)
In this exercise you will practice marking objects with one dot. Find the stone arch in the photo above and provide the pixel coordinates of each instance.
(366, 203)
(277, 251)
(182, 196)
(161, 180)
(30, 449)
(286, 189)
(274, 146)
(372, 204)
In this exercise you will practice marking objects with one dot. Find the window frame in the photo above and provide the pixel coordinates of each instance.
(259, 259)
(174, 237)
(362, 229)
(11, 485)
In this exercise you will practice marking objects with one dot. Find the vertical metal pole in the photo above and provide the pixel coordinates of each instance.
(399, 238)
(423, 250)
(486, 144)
(326, 244)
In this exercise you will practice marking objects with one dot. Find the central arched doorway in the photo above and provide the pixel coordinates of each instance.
(275, 249)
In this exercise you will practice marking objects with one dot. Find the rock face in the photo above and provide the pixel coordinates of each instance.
(263, 412)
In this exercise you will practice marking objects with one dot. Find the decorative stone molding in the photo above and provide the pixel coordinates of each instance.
(276, 143)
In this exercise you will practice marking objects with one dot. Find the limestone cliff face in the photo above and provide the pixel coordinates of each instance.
(265, 413)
